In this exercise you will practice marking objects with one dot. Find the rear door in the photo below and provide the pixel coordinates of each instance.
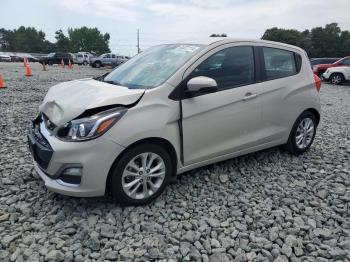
(106, 60)
(225, 121)
(346, 72)
(285, 92)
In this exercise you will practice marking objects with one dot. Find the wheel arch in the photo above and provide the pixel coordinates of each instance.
(337, 73)
(151, 140)
(315, 113)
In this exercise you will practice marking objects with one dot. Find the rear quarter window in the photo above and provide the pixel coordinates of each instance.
(280, 63)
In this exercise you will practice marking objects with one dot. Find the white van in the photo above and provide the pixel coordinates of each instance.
(82, 58)
(170, 109)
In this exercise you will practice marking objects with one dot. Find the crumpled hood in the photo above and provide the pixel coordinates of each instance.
(67, 100)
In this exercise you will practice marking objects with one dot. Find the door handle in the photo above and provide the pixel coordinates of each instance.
(249, 96)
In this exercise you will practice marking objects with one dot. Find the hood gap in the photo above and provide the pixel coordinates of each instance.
(93, 111)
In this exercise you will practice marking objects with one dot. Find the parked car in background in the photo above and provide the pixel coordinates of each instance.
(122, 133)
(108, 60)
(31, 58)
(56, 58)
(321, 68)
(82, 58)
(326, 60)
(337, 75)
(74, 58)
(16, 58)
(5, 58)
(122, 58)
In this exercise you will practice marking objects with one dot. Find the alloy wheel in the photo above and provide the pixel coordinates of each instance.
(336, 80)
(143, 175)
(305, 133)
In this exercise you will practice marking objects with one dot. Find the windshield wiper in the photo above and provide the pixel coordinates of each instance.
(112, 82)
(101, 78)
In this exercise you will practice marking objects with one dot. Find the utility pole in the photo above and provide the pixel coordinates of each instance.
(138, 41)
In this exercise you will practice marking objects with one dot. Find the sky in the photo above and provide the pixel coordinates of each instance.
(161, 21)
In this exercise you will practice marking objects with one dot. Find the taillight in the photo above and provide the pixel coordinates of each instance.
(317, 82)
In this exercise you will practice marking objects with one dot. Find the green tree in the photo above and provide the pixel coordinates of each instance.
(6, 39)
(23, 39)
(62, 42)
(88, 39)
(28, 39)
(345, 42)
(328, 41)
(290, 36)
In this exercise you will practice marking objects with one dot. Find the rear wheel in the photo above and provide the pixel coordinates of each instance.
(141, 174)
(302, 134)
(97, 64)
(336, 79)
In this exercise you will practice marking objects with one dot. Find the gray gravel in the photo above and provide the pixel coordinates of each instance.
(267, 206)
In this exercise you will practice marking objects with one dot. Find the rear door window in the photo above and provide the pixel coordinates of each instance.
(278, 63)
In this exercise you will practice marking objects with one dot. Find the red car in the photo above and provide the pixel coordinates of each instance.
(321, 68)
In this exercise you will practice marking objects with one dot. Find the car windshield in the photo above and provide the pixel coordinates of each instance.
(51, 54)
(152, 67)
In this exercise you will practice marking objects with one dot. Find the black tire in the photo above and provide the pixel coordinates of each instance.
(50, 62)
(291, 145)
(115, 181)
(85, 63)
(97, 64)
(336, 79)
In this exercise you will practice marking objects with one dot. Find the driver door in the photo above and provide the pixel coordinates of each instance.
(228, 120)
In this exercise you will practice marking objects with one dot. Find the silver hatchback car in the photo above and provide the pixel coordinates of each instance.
(170, 109)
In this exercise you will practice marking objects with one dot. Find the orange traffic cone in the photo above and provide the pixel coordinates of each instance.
(28, 71)
(2, 82)
(62, 63)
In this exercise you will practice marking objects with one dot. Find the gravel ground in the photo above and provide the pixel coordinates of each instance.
(266, 206)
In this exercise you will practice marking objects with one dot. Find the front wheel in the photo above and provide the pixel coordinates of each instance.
(302, 134)
(141, 174)
(336, 79)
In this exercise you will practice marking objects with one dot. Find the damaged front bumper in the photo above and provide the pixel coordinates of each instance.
(71, 168)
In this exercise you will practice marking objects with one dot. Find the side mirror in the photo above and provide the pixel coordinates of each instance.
(201, 85)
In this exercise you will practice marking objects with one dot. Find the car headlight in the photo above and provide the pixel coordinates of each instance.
(88, 128)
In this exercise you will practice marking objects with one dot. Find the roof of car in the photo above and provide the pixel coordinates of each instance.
(224, 40)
